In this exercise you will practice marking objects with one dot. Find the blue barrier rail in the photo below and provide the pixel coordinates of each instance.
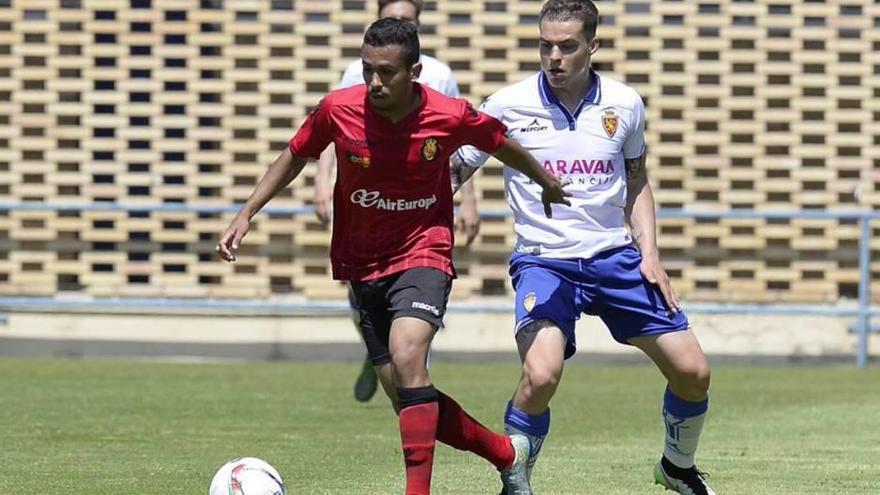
(863, 311)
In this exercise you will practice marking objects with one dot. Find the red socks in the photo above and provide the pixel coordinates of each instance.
(458, 429)
(418, 429)
(427, 415)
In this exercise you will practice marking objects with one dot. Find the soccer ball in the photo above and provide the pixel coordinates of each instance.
(247, 476)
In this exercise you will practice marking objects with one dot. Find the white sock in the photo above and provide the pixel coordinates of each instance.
(684, 424)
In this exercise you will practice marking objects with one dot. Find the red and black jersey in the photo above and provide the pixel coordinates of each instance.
(392, 200)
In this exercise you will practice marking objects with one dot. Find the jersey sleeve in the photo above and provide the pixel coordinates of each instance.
(634, 144)
(315, 133)
(472, 155)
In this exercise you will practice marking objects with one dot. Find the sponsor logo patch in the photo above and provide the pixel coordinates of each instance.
(534, 126)
(360, 161)
(374, 199)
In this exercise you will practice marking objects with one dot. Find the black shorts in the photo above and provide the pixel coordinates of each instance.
(418, 292)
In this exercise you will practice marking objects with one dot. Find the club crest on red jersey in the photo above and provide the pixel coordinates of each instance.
(360, 161)
(430, 148)
(610, 121)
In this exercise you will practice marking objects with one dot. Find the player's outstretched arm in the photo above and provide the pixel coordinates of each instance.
(515, 156)
(283, 170)
(643, 225)
(459, 172)
(324, 185)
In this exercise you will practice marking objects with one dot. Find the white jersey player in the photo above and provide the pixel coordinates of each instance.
(589, 130)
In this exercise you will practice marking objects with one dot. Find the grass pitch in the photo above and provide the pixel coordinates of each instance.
(134, 427)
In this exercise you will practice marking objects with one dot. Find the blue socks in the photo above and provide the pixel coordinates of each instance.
(535, 428)
(684, 423)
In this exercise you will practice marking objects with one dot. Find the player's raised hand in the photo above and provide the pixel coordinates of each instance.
(654, 273)
(554, 192)
(512, 154)
(232, 236)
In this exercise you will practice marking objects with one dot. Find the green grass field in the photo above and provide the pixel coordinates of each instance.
(109, 427)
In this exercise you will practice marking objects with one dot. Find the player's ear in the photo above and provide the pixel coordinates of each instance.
(416, 70)
(594, 45)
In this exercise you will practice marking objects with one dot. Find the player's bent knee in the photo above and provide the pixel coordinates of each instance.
(406, 361)
(543, 378)
(704, 377)
(692, 383)
(699, 380)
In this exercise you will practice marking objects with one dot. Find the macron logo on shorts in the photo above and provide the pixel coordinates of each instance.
(426, 307)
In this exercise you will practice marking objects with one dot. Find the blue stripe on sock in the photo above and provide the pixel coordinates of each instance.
(533, 425)
(677, 406)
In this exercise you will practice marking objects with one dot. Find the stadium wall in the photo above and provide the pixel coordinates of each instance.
(759, 339)
(751, 105)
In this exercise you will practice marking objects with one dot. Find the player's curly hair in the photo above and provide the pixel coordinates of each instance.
(389, 31)
(573, 10)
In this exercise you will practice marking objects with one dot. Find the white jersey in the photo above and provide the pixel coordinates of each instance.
(435, 74)
(586, 147)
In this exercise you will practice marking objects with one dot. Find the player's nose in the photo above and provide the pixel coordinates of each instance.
(375, 82)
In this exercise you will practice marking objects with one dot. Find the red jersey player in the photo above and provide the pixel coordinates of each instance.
(392, 233)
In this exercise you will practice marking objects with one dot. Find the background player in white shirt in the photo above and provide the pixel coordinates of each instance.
(438, 76)
(589, 130)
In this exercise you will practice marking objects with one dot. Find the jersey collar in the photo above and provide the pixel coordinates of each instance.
(592, 97)
(408, 118)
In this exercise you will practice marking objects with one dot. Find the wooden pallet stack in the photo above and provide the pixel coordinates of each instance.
(751, 105)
